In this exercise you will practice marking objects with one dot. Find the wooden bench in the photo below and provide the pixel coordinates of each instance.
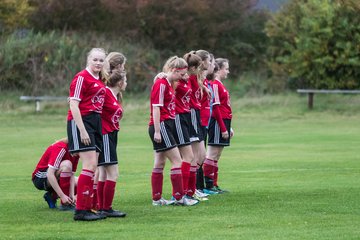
(311, 93)
(38, 99)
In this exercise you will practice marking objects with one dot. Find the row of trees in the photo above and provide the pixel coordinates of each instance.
(315, 44)
(307, 43)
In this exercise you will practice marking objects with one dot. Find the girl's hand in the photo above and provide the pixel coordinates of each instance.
(85, 139)
(157, 137)
(160, 75)
(225, 135)
(67, 200)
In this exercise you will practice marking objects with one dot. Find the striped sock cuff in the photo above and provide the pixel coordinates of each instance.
(88, 173)
(175, 171)
(158, 170)
(66, 174)
(210, 162)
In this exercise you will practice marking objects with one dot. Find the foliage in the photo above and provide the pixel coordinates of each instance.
(86, 15)
(38, 62)
(247, 84)
(44, 63)
(146, 31)
(232, 29)
(13, 14)
(315, 44)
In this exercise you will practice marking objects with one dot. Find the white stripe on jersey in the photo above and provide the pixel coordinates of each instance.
(179, 129)
(78, 87)
(74, 135)
(59, 158)
(161, 95)
(216, 94)
(165, 135)
(106, 148)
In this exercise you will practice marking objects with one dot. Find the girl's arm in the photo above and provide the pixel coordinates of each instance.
(156, 117)
(55, 185)
(220, 121)
(74, 108)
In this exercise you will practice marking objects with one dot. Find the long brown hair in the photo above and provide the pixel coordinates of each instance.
(115, 77)
(174, 62)
(196, 60)
(114, 59)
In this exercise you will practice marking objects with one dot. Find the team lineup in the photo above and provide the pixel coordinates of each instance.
(190, 124)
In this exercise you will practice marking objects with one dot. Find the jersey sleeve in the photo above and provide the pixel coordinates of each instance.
(219, 119)
(76, 88)
(56, 156)
(157, 94)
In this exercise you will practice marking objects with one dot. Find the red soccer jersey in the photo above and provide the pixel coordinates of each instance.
(182, 97)
(89, 91)
(221, 98)
(53, 156)
(195, 94)
(205, 106)
(162, 95)
(111, 113)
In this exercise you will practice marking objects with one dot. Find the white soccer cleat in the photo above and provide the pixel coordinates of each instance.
(201, 199)
(186, 201)
(200, 194)
(162, 202)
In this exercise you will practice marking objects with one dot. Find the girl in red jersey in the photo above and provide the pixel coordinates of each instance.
(110, 118)
(114, 60)
(220, 130)
(205, 112)
(54, 173)
(86, 99)
(183, 126)
(197, 70)
(162, 132)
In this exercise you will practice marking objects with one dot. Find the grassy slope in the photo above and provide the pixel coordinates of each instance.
(292, 173)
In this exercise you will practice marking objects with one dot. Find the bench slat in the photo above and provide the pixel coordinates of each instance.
(39, 99)
(328, 91)
(311, 93)
(42, 98)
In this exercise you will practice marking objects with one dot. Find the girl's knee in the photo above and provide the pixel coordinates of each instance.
(66, 166)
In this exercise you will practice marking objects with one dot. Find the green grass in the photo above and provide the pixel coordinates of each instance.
(292, 173)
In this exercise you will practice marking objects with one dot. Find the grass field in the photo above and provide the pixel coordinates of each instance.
(292, 174)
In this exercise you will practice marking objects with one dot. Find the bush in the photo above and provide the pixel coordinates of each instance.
(231, 29)
(37, 63)
(45, 63)
(247, 84)
(313, 43)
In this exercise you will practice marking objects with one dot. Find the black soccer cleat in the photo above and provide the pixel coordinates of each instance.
(86, 215)
(113, 213)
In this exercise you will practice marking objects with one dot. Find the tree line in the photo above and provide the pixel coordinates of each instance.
(307, 43)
